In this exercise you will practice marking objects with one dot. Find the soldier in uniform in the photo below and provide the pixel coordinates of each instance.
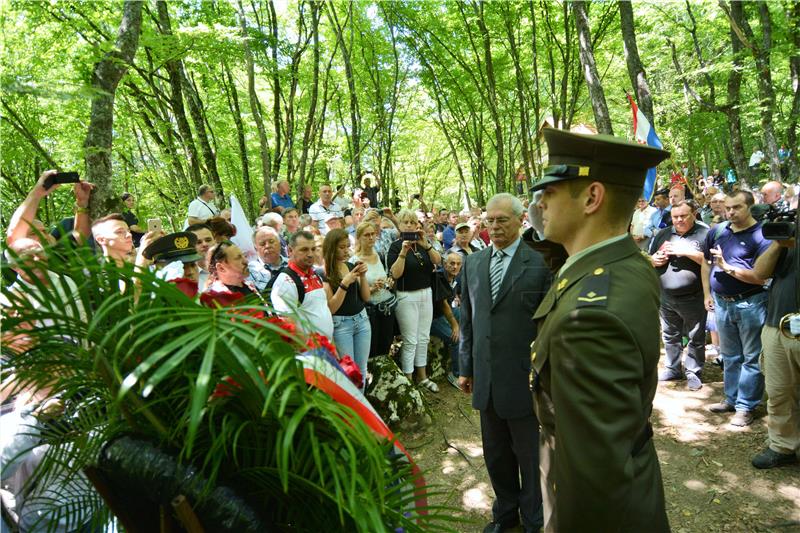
(594, 363)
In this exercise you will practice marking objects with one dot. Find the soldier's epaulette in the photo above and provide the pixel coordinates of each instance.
(594, 289)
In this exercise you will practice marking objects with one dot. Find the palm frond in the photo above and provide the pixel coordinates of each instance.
(152, 366)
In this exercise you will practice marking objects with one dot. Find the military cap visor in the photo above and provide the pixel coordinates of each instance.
(173, 247)
(602, 158)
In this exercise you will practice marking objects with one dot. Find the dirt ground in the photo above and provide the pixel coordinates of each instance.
(709, 483)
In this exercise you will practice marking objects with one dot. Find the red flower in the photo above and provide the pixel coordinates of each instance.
(186, 286)
(286, 325)
(225, 388)
(321, 341)
(220, 298)
(351, 370)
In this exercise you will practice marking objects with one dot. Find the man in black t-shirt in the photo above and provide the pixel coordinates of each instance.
(677, 253)
(780, 356)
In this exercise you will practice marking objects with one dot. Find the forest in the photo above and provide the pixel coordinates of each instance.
(442, 98)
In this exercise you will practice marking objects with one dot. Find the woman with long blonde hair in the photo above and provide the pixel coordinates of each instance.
(380, 308)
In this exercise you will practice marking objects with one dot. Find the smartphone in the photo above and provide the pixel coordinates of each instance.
(409, 235)
(154, 224)
(61, 177)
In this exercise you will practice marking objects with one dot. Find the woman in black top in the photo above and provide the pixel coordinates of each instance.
(347, 289)
(411, 264)
(131, 220)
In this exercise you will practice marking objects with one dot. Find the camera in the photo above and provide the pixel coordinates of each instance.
(777, 224)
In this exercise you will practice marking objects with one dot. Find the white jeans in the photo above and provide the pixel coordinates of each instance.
(414, 315)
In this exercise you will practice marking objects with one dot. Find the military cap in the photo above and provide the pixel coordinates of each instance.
(173, 247)
(661, 192)
(603, 158)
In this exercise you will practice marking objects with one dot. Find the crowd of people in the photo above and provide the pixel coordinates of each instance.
(367, 275)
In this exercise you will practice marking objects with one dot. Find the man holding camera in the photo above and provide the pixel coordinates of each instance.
(781, 356)
(739, 303)
(677, 253)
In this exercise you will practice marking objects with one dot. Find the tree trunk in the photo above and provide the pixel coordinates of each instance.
(175, 72)
(761, 54)
(277, 94)
(519, 77)
(236, 112)
(355, 114)
(596, 93)
(255, 109)
(500, 172)
(635, 68)
(106, 76)
(794, 70)
(734, 96)
(308, 133)
(209, 157)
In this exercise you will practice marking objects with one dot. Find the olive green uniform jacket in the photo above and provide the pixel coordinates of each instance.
(593, 377)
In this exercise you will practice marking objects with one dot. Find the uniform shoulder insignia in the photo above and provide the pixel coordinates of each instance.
(594, 289)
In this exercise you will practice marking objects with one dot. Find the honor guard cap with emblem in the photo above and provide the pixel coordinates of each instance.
(603, 158)
(173, 247)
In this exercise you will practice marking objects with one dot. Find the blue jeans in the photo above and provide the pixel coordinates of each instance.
(352, 335)
(739, 325)
(440, 328)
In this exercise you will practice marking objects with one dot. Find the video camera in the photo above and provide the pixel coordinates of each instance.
(778, 224)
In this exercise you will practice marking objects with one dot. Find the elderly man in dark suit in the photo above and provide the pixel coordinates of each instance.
(501, 287)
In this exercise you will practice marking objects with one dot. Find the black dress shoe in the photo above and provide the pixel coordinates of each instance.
(497, 527)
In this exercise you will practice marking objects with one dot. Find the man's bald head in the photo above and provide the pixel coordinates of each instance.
(772, 191)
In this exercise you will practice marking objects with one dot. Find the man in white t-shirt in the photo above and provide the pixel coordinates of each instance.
(312, 313)
(640, 224)
(202, 208)
(320, 209)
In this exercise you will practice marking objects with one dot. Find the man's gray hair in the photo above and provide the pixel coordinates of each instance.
(266, 229)
(516, 205)
(271, 219)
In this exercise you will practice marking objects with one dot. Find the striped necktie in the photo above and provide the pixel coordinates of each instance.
(496, 272)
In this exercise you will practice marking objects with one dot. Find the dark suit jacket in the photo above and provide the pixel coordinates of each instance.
(594, 376)
(495, 337)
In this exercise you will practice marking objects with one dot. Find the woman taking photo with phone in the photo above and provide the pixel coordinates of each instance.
(380, 307)
(347, 289)
(411, 262)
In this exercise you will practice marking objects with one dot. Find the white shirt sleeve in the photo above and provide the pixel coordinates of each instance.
(284, 294)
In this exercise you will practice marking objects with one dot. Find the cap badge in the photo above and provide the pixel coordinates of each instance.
(583, 171)
(181, 243)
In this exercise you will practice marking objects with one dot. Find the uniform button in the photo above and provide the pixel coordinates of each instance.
(598, 271)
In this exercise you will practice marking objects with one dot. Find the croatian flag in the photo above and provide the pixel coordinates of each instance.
(644, 133)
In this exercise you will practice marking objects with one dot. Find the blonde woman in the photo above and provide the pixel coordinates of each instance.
(381, 315)
(411, 261)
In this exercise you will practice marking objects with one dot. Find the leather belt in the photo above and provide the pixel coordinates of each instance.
(741, 296)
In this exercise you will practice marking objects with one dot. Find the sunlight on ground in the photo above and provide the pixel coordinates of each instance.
(470, 448)
(478, 498)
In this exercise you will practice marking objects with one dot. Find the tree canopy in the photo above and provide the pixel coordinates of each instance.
(443, 98)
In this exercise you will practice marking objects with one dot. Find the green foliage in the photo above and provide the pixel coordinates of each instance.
(216, 387)
(420, 73)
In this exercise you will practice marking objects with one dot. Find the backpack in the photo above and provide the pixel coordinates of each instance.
(301, 289)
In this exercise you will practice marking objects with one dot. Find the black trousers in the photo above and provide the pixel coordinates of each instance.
(383, 328)
(511, 452)
(684, 315)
